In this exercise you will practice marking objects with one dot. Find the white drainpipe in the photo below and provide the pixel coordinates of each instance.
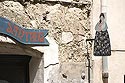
(104, 58)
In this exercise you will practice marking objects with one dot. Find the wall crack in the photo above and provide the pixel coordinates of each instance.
(51, 65)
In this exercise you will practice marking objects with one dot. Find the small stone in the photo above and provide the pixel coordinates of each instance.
(67, 37)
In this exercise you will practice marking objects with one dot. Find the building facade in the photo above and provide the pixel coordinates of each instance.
(64, 60)
(70, 23)
(115, 20)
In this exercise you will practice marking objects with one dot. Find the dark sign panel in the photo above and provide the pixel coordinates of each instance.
(23, 35)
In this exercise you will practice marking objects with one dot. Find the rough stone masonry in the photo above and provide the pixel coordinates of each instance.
(69, 24)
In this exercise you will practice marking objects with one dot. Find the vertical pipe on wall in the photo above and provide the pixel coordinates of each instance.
(104, 58)
(105, 69)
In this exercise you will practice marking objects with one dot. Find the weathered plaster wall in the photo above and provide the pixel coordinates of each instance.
(69, 26)
(116, 23)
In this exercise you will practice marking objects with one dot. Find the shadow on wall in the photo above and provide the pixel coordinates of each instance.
(36, 70)
(65, 3)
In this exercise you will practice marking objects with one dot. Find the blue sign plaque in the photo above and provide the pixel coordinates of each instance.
(23, 35)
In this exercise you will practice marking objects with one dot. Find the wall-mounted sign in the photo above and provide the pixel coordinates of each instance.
(21, 34)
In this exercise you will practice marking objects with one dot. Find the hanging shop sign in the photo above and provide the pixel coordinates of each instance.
(21, 34)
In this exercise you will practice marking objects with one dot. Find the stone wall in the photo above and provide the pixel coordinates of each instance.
(68, 24)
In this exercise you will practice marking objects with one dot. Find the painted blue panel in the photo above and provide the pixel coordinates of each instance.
(23, 35)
